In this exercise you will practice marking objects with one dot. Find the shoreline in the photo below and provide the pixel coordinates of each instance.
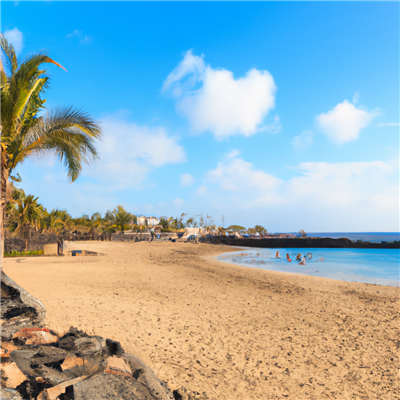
(217, 258)
(234, 332)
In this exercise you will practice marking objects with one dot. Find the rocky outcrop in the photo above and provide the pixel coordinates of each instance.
(74, 366)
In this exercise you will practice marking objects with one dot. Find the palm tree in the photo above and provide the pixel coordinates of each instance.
(26, 212)
(119, 218)
(26, 131)
(53, 220)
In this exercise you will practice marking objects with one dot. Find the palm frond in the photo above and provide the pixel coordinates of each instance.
(9, 53)
(69, 133)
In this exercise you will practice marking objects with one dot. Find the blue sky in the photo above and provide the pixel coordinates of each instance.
(281, 114)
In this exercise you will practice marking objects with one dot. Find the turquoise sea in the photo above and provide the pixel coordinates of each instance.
(376, 266)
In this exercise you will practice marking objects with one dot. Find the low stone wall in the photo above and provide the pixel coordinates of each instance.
(34, 243)
(83, 238)
(140, 237)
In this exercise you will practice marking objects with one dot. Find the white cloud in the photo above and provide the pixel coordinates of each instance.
(213, 100)
(348, 196)
(356, 97)
(186, 180)
(344, 123)
(83, 39)
(388, 124)
(233, 174)
(350, 185)
(303, 140)
(16, 38)
(274, 127)
(202, 190)
(232, 153)
(128, 152)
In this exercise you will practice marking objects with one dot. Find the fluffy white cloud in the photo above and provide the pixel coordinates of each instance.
(349, 196)
(344, 123)
(16, 38)
(129, 152)
(186, 180)
(303, 140)
(213, 100)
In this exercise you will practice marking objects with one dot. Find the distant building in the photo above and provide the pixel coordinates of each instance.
(147, 221)
(152, 221)
(141, 220)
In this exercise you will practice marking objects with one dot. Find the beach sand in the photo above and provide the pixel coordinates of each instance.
(230, 331)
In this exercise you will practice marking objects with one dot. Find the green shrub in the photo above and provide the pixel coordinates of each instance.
(16, 253)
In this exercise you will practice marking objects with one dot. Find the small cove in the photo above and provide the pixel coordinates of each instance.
(374, 266)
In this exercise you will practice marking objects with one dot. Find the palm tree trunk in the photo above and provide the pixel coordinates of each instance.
(3, 198)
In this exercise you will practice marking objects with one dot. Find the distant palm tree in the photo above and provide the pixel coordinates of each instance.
(26, 212)
(53, 220)
(25, 132)
(119, 219)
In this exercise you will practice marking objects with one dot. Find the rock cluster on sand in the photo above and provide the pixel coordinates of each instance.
(37, 363)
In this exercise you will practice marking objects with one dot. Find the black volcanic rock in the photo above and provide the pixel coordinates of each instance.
(18, 308)
(298, 243)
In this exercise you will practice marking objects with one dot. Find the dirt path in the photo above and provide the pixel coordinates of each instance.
(233, 332)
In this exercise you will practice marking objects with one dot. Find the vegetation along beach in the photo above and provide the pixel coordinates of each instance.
(199, 202)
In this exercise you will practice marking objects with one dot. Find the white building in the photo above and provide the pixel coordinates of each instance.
(152, 221)
(141, 220)
(147, 221)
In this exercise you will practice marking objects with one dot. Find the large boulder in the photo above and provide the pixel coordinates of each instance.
(19, 309)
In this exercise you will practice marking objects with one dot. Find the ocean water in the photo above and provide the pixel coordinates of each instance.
(375, 266)
(365, 236)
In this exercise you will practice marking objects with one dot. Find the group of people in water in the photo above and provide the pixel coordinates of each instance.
(301, 259)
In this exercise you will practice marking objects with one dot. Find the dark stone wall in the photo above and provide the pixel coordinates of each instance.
(133, 237)
(36, 242)
(80, 238)
(139, 237)
(299, 243)
(14, 244)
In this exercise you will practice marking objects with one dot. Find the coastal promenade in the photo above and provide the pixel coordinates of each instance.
(233, 332)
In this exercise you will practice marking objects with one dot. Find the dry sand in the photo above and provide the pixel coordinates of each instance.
(233, 332)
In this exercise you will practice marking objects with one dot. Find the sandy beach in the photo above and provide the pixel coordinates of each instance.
(230, 331)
